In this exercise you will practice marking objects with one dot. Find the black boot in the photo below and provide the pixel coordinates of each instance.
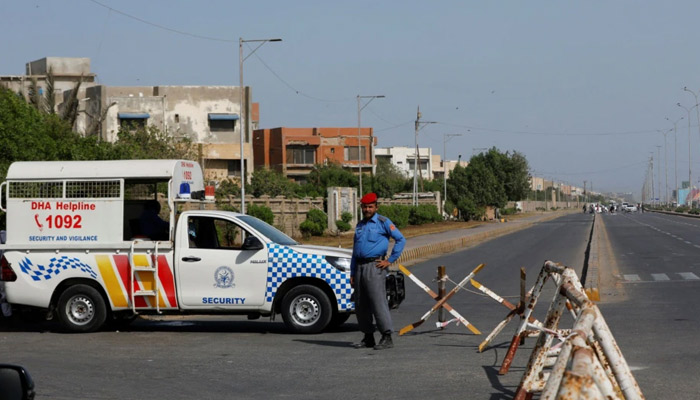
(366, 342)
(385, 342)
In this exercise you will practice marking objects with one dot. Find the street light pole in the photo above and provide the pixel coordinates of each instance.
(445, 138)
(658, 173)
(359, 138)
(690, 173)
(244, 122)
(419, 125)
(675, 155)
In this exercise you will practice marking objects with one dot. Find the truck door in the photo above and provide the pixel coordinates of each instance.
(213, 269)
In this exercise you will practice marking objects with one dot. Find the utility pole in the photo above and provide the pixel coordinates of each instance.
(445, 138)
(650, 177)
(658, 173)
(419, 125)
(585, 193)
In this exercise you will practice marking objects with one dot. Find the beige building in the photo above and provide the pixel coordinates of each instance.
(66, 72)
(439, 166)
(207, 115)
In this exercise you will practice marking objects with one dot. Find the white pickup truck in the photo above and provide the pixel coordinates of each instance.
(75, 246)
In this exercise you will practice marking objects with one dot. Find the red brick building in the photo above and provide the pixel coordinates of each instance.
(294, 151)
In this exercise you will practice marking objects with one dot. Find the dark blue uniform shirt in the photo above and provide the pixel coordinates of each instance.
(372, 240)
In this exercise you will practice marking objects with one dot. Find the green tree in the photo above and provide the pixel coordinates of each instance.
(387, 180)
(272, 183)
(324, 176)
(149, 142)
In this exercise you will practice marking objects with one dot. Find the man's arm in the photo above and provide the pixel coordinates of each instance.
(399, 241)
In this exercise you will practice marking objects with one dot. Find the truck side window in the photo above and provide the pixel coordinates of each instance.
(214, 233)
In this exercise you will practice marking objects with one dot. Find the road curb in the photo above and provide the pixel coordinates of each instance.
(590, 277)
(433, 249)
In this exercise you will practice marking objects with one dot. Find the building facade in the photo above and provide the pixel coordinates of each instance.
(63, 74)
(404, 159)
(209, 116)
(294, 151)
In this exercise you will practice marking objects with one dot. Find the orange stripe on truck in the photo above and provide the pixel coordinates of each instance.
(114, 289)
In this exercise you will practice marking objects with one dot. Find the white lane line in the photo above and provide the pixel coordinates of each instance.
(660, 277)
(689, 276)
(631, 277)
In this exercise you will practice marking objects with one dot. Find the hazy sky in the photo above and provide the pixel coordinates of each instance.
(580, 88)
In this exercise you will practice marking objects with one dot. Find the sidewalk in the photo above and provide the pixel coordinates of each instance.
(420, 248)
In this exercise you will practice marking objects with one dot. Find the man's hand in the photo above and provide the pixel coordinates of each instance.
(383, 264)
(352, 281)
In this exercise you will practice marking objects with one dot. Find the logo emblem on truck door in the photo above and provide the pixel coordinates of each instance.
(224, 277)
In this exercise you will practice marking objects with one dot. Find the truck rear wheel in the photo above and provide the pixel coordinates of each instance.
(306, 309)
(81, 308)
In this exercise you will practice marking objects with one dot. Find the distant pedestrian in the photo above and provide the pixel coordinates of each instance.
(368, 271)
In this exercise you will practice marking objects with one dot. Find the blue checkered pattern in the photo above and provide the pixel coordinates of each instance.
(285, 263)
(56, 265)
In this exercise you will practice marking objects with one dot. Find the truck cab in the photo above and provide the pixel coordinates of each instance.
(97, 241)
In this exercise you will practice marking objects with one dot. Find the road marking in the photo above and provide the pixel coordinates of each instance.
(660, 277)
(689, 276)
(631, 277)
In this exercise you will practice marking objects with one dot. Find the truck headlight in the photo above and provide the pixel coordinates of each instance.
(341, 263)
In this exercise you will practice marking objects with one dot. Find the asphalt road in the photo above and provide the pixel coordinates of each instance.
(223, 357)
(657, 324)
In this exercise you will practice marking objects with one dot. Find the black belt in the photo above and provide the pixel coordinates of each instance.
(368, 260)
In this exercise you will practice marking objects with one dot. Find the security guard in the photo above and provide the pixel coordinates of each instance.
(368, 272)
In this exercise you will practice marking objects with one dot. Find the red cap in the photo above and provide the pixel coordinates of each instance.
(369, 198)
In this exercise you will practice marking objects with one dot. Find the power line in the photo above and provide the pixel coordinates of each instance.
(153, 24)
(295, 90)
(476, 128)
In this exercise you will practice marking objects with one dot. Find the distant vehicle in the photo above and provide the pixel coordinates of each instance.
(631, 208)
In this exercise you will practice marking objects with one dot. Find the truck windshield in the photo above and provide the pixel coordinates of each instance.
(268, 230)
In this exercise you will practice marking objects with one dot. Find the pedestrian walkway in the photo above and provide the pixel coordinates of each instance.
(422, 247)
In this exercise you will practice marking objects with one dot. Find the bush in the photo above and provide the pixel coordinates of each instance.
(262, 212)
(318, 217)
(398, 214)
(346, 217)
(424, 214)
(309, 228)
(694, 211)
(682, 209)
(316, 223)
(509, 211)
(342, 226)
(540, 209)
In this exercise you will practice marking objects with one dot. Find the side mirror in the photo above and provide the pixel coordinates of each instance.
(16, 383)
(252, 243)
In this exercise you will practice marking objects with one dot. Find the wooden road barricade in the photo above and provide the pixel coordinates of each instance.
(441, 301)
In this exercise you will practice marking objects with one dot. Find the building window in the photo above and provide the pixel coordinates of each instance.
(351, 153)
(133, 120)
(222, 122)
(301, 155)
(234, 167)
(422, 165)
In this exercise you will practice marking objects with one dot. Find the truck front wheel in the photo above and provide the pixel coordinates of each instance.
(81, 308)
(306, 309)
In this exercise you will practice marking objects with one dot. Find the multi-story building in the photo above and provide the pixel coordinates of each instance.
(440, 165)
(295, 151)
(404, 159)
(58, 74)
(207, 115)
(210, 116)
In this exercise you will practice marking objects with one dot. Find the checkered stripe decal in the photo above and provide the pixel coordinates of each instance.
(56, 265)
(285, 263)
